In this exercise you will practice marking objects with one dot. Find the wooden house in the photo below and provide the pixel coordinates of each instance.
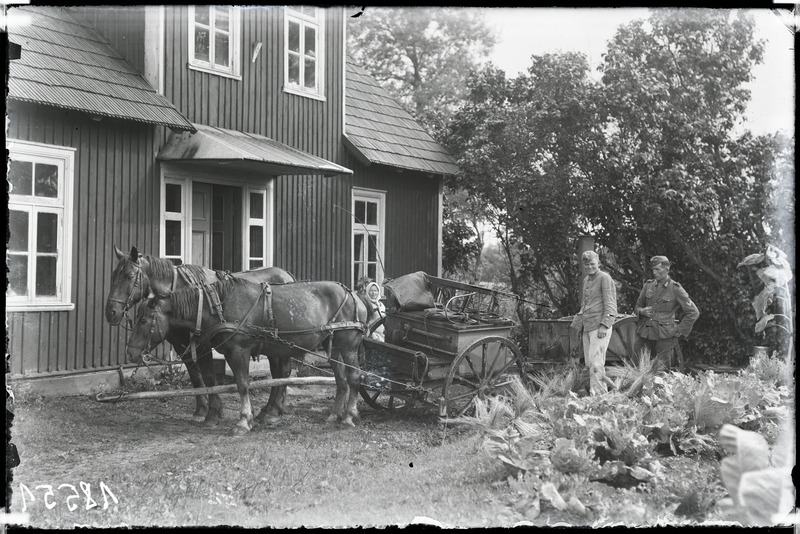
(216, 135)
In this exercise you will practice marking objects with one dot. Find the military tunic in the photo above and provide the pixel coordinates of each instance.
(665, 298)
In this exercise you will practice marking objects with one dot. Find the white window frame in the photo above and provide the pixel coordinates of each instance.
(184, 217)
(293, 13)
(377, 231)
(266, 222)
(63, 158)
(235, 31)
(185, 178)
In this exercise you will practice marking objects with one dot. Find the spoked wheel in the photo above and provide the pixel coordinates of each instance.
(481, 370)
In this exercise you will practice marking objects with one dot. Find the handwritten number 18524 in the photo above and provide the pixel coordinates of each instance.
(73, 497)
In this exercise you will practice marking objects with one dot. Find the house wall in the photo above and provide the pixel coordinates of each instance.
(412, 208)
(114, 202)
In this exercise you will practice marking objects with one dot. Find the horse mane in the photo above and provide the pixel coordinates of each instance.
(160, 269)
(185, 300)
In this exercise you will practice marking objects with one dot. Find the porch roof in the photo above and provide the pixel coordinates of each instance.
(67, 64)
(243, 151)
(379, 130)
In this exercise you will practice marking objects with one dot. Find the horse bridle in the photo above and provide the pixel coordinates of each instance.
(130, 301)
(145, 349)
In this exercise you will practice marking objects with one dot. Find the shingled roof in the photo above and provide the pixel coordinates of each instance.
(379, 130)
(69, 65)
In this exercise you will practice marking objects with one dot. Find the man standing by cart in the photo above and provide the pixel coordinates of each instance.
(595, 319)
(660, 298)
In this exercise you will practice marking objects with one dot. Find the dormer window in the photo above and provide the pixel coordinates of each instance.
(214, 36)
(304, 51)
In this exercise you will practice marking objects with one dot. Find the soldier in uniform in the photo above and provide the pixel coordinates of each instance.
(660, 298)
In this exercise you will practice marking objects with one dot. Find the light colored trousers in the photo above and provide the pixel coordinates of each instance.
(594, 354)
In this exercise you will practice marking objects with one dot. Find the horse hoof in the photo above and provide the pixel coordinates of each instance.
(211, 421)
(270, 420)
(239, 431)
(332, 418)
(348, 422)
(198, 418)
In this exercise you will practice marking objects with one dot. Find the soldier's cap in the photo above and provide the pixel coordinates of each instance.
(588, 256)
(658, 260)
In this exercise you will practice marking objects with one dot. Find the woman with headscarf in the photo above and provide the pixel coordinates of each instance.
(373, 292)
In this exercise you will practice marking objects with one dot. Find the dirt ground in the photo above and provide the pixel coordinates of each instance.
(166, 470)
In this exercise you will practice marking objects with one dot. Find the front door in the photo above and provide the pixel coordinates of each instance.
(216, 226)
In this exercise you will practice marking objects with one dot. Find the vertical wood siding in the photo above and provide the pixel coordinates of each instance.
(113, 203)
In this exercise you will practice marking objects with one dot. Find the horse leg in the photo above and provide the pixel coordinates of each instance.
(339, 373)
(205, 360)
(201, 401)
(349, 354)
(239, 362)
(271, 413)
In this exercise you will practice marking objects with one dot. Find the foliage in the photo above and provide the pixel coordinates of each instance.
(759, 481)
(461, 243)
(523, 146)
(421, 55)
(541, 436)
(649, 160)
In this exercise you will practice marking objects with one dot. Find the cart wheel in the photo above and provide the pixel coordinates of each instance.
(382, 400)
(480, 371)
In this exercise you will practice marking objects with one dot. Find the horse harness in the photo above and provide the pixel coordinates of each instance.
(268, 333)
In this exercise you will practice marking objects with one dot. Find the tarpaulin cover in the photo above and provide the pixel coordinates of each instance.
(410, 292)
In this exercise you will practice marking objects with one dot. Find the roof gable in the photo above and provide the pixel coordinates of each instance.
(379, 130)
(66, 64)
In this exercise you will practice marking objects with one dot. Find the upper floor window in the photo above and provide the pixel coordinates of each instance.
(303, 59)
(214, 36)
(39, 248)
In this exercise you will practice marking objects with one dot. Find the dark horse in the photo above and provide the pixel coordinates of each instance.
(263, 319)
(136, 276)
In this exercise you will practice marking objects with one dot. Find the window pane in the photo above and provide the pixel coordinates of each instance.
(47, 232)
(256, 206)
(173, 198)
(221, 18)
(360, 209)
(294, 69)
(311, 42)
(256, 242)
(310, 80)
(373, 249)
(18, 228)
(46, 180)
(372, 213)
(18, 275)
(294, 36)
(201, 44)
(201, 14)
(221, 51)
(358, 247)
(358, 271)
(46, 276)
(20, 175)
(255, 264)
(310, 11)
(372, 271)
(172, 238)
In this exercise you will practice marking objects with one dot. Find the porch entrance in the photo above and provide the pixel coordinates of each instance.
(217, 226)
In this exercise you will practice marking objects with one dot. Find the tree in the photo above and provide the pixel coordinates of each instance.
(523, 146)
(421, 55)
(675, 178)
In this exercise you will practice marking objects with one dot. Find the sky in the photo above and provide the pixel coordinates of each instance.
(523, 32)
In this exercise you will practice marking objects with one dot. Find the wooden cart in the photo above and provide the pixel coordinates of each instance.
(448, 355)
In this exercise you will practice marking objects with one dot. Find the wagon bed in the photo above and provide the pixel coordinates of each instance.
(449, 354)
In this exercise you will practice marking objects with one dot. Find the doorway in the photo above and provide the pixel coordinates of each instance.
(217, 226)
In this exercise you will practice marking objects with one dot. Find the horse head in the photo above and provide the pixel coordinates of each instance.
(129, 285)
(151, 328)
